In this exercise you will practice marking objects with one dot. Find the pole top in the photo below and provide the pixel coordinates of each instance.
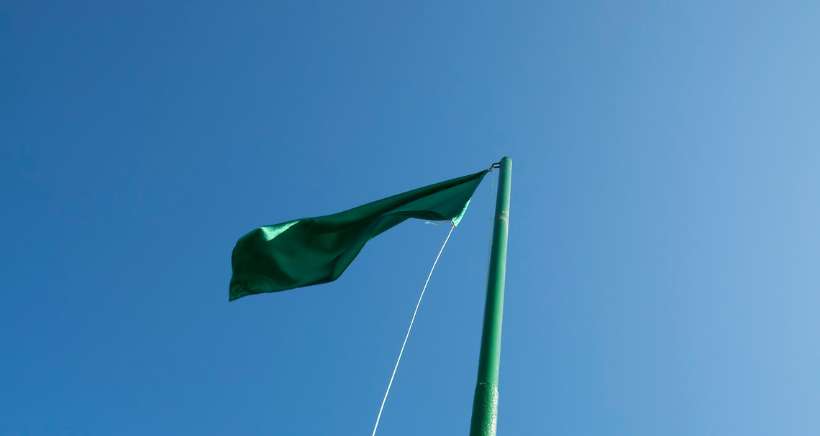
(505, 160)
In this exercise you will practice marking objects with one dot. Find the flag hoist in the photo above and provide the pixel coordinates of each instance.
(315, 250)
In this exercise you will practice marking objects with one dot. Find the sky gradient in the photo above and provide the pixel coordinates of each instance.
(663, 261)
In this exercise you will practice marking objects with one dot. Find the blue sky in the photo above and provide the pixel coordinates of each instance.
(662, 272)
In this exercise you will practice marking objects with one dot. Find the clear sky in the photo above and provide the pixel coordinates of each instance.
(663, 268)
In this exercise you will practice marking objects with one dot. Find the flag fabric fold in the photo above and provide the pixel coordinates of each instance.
(310, 251)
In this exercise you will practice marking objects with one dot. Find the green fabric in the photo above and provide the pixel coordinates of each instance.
(309, 251)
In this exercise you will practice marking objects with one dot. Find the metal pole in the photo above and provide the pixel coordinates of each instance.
(485, 402)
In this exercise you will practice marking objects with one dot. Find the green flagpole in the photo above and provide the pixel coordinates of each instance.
(485, 401)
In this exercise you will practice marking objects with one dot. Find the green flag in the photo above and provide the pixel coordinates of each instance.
(316, 250)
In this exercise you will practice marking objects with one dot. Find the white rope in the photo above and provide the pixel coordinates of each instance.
(409, 329)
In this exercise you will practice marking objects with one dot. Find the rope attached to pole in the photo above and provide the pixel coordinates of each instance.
(409, 329)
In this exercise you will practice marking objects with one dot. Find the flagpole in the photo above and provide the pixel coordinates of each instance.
(485, 401)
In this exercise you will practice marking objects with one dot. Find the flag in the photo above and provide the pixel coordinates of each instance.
(310, 251)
